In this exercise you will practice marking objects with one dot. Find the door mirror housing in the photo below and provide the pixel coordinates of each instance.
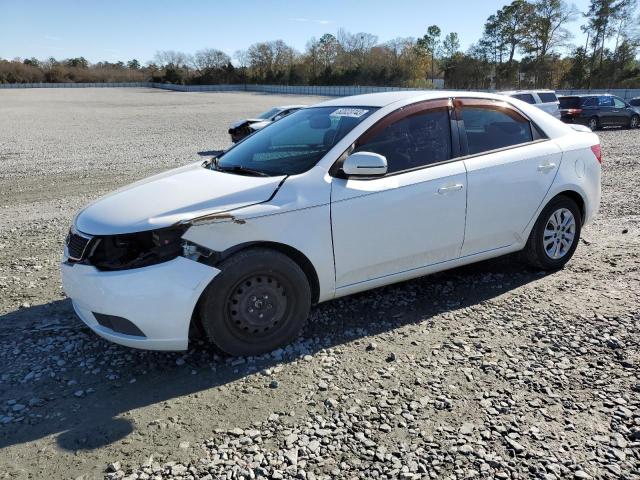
(365, 164)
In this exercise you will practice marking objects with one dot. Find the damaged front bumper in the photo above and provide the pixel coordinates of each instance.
(149, 307)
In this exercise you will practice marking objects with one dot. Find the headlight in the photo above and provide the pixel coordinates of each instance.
(134, 250)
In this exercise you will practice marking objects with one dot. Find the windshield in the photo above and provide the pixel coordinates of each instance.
(294, 144)
(268, 114)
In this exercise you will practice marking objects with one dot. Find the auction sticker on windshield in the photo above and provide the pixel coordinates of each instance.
(348, 112)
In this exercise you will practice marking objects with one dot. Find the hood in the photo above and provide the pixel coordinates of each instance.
(171, 197)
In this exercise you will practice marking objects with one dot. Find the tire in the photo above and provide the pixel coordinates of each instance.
(535, 254)
(593, 123)
(634, 122)
(258, 302)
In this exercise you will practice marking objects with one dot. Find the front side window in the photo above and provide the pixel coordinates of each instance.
(618, 103)
(413, 141)
(268, 114)
(547, 97)
(293, 144)
(490, 128)
(282, 114)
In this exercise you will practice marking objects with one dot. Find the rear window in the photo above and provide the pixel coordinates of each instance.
(489, 128)
(525, 97)
(569, 102)
(547, 97)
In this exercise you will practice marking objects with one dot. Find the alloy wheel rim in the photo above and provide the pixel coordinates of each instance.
(634, 122)
(559, 233)
(593, 123)
(257, 306)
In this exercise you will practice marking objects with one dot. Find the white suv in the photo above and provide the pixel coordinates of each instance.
(344, 196)
(545, 100)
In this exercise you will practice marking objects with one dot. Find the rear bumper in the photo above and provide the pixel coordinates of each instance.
(576, 120)
(159, 300)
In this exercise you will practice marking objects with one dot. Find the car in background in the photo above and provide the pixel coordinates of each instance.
(635, 102)
(599, 110)
(245, 127)
(347, 195)
(545, 100)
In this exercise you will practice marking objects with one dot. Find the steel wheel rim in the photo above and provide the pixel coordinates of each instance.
(257, 306)
(559, 233)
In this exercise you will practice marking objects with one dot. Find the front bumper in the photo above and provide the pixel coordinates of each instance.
(159, 300)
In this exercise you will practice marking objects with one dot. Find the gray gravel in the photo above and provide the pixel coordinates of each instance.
(487, 371)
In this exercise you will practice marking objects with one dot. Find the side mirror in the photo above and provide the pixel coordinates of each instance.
(365, 164)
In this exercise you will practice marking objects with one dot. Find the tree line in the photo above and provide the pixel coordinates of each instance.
(525, 44)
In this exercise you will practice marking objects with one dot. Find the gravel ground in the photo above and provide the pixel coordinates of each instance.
(487, 371)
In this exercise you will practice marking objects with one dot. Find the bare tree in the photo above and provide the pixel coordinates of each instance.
(210, 59)
(165, 58)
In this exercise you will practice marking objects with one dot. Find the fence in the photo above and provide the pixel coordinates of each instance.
(76, 85)
(319, 90)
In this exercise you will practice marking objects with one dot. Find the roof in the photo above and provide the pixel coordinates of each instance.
(535, 90)
(387, 98)
(594, 94)
(288, 107)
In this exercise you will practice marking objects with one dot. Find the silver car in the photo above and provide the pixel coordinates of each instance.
(545, 100)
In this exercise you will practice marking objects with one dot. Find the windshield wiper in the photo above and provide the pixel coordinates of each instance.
(239, 169)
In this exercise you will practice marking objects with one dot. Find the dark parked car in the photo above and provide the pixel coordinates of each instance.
(597, 111)
(635, 102)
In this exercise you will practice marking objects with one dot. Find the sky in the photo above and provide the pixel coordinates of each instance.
(115, 30)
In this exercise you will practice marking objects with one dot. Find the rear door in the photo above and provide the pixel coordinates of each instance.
(510, 168)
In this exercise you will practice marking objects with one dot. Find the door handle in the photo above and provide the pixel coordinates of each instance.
(545, 167)
(450, 188)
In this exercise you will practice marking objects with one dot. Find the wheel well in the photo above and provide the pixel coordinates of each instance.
(296, 255)
(576, 197)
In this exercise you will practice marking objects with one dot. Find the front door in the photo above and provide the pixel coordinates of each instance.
(412, 217)
(621, 112)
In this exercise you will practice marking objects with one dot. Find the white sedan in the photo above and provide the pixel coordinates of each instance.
(243, 128)
(348, 195)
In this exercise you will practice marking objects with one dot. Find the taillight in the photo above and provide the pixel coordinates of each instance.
(597, 151)
(574, 111)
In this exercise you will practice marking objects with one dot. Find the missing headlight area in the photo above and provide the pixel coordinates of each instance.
(132, 250)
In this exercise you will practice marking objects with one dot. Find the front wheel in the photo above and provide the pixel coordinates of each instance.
(555, 235)
(634, 122)
(259, 301)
